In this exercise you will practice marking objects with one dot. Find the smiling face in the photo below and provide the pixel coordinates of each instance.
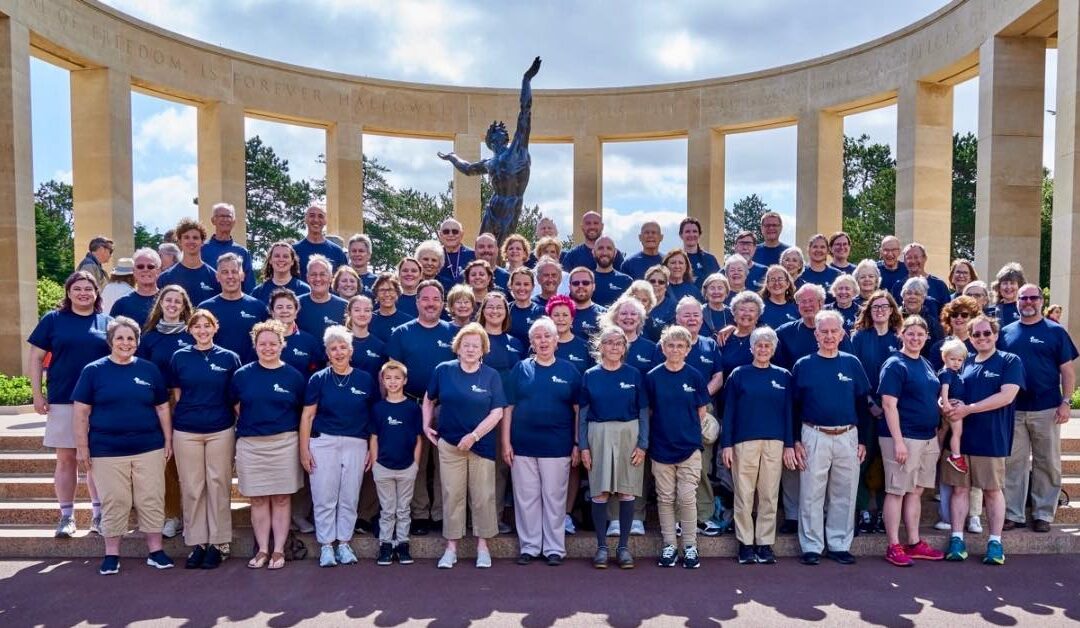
(550, 275)
(430, 264)
(715, 293)
(268, 347)
(650, 236)
(914, 338)
(172, 304)
(146, 271)
(521, 287)
(818, 251)
(880, 311)
(487, 249)
(592, 226)
(746, 315)
(202, 330)
(231, 277)
(841, 249)
(745, 246)
(793, 263)
(659, 285)
(776, 282)
(359, 254)
(360, 313)
(771, 227)
(690, 317)
(393, 381)
(516, 255)
(809, 305)
(543, 343)
(890, 252)
(315, 220)
(409, 274)
(604, 252)
(1030, 301)
(429, 304)
(470, 350)
(828, 334)
(1007, 290)
(690, 234)
(677, 264)
(494, 311)
(124, 343)
(736, 274)
(915, 260)
(563, 319)
(387, 295)
(281, 260)
(913, 301)
(82, 295)
(844, 294)
(284, 311)
(581, 288)
(347, 285)
(339, 352)
(763, 351)
(190, 242)
(675, 351)
(223, 220)
(868, 282)
(479, 278)
(983, 336)
(628, 319)
(318, 277)
(612, 349)
(450, 235)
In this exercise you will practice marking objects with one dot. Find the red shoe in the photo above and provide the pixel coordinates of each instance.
(897, 556)
(958, 463)
(923, 551)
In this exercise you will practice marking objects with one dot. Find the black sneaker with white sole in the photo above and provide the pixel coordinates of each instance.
(746, 554)
(109, 565)
(403, 555)
(690, 558)
(669, 556)
(159, 560)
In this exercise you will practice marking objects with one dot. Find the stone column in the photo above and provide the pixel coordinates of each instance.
(18, 253)
(924, 128)
(1065, 242)
(705, 185)
(588, 180)
(345, 179)
(1009, 187)
(467, 188)
(101, 158)
(819, 185)
(223, 163)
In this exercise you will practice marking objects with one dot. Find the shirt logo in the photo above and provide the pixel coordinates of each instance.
(355, 391)
(642, 359)
(392, 421)
(298, 352)
(688, 388)
(370, 353)
(1035, 341)
(477, 389)
(512, 349)
(279, 389)
(612, 286)
(843, 378)
(705, 360)
(574, 358)
(990, 374)
(777, 386)
(625, 386)
(141, 382)
(791, 317)
(215, 367)
(244, 314)
(329, 321)
(203, 286)
(442, 345)
(180, 342)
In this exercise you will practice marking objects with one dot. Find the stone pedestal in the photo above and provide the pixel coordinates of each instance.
(819, 184)
(705, 186)
(467, 207)
(345, 179)
(222, 163)
(588, 180)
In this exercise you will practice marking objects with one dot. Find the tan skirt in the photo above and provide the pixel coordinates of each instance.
(610, 444)
(269, 465)
(60, 426)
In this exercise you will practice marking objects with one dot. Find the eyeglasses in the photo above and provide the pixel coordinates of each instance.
(451, 231)
(1030, 297)
(145, 266)
(982, 334)
(658, 282)
(580, 282)
(880, 308)
(777, 280)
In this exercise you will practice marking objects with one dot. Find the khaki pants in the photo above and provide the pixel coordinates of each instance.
(675, 489)
(756, 473)
(205, 465)
(540, 486)
(464, 475)
(395, 488)
(832, 475)
(335, 485)
(135, 481)
(1036, 456)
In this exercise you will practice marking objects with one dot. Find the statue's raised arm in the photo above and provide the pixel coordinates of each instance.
(524, 122)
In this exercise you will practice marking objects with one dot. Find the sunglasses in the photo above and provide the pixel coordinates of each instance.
(658, 282)
(451, 231)
(961, 315)
(981, 334)
(145, 266)
(1034, 297)
(580, 282)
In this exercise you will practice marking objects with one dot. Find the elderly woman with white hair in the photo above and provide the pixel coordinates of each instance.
(915, 301)
(539, 444)
(628, 314)
(756, 440)
(843, 290)
(793, 261)
(334, 430)
(867, 279)
(747, 307)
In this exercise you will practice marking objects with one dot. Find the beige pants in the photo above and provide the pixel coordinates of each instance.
(205, 464)
(464, 475)
(395, 488)
(832, 477)
(540, 486)
(135, 481)
(1036, 456)
(756, 472)
(676, 485)
(335, 485)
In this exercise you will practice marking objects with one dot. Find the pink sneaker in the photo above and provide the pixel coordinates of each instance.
(958, 463)
(896, 555)
(923, 551)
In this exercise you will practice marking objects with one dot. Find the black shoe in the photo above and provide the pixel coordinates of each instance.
(844, 558)
(403, 555)
(746, 555)
(765, 555)
(879, 523)
(374, 523)
(363, 526)
(554, 560)
(213, 558)
(1040, 525)
(386, 554)
(526, 559)
(419, 527)
(790, 526)
(864, 523)
(1013, 525)
(195, 558)
(810, 558)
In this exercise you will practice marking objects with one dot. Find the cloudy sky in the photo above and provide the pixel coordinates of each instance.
(469, 42)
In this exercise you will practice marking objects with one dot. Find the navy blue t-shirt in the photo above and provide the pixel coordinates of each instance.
(915, 385)
(890, 278)
(704, 356)
(306, 248)
(420, 349)
(1042, 347)
(848, 268)
(953, 381)
(213, 248)
(872, 350)
(270, 399)
(703, 264)
(407, 303)
(582, 255)
(397, 424)
(522, 318)
(200, 283)
(123, 398)
(543, 398)
(453, 270)
(576, 352)
(676, 292)
(134, 306)
(266, 289)
(735, 353)
(797, 340)
(369, 354)
(990, 433)
(303, 352)
(674, 400)
(715, 320)
(776, 315)
(159, 348)
(203, 379)
(314, 317)
(610, 286)
(641, 354)
(74, 342)
(769, 255)
(639, 263)
(937, 289)
(849, 313)
(344, 402)
(587, 321)
(236, 318)
(618, 395)
(1006, 313)
(755, 276)
(506, 351)
(465, 400)
(823, 277)
(830, 392)
(757, 406)
(381, 325)
(661, 316)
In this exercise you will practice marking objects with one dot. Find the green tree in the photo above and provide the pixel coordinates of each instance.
(145, 239)
(869, 211)
(275, 202)
(744, 215)
(54, 230)
(1046, 220)
(965, 158)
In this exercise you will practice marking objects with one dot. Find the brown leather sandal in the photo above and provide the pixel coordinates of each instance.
(258, 561)
(277, 561)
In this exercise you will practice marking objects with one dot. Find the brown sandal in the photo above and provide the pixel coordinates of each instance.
(277, 561)
(258, 561)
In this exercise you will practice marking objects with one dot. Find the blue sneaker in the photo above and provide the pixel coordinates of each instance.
(957, 550)
(159, 560)
(110, 565)
(995, 554)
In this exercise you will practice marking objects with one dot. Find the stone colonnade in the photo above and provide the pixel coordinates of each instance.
(1003, 41)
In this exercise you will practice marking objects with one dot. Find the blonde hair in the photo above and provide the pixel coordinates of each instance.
(472, 329)
(954, 347)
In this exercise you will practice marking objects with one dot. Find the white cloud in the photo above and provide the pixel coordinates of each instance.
(63, 176)
(625, 177)
(429, 39)
(162, 201)
(300, 145)
(623, 227)
(173, 129)
(681, 51)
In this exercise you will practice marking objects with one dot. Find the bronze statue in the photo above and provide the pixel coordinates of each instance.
(508, 169)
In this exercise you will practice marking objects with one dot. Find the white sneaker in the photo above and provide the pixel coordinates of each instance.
(943, 525)
(95, 525)
(345, 555)
(975, 525)
(448, 559)
(65, 529)
(172, 527)
(568, 525)
(326, 556)
(613, 528)
(637, 528)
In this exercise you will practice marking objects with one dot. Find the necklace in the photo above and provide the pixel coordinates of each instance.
(455, 270)
(340, 381)
(205, 352)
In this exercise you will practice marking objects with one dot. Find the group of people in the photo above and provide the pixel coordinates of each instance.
(775, 383)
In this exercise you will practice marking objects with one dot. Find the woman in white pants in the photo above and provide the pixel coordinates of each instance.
(334, 432)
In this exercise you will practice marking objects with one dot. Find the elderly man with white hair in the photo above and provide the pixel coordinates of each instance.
(914, 256)
(137, 304)
(220, 242)
(456, 256)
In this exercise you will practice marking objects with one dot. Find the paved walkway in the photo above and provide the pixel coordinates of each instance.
(1029, 590)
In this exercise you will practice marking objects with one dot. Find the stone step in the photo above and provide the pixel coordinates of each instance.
(29, 486)
(38, 542)
(1070, 464)
(44, 512)
(35, 462)
(29, 441)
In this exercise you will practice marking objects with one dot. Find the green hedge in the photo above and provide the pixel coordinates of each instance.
(1074, 402)
(49, 295)
(15, 391)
